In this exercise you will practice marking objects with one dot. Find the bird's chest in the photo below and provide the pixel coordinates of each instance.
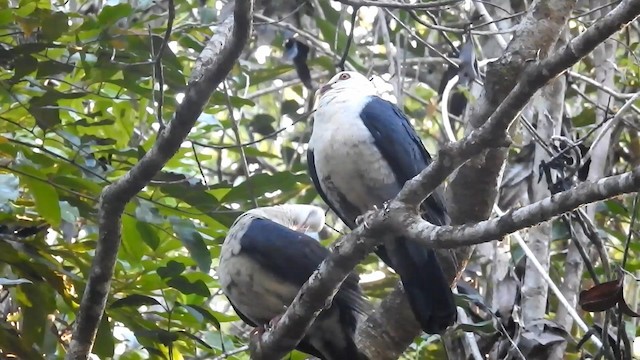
(254, 291)
(347, 158)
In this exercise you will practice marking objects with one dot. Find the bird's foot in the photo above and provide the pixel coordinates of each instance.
(257, 332)
(362, 219)
(273, 322)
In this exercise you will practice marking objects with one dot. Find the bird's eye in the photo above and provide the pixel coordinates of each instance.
(344, 76)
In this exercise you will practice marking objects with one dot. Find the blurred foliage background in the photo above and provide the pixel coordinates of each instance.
(83, 94)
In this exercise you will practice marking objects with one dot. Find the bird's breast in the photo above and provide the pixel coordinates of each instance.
(256, 292)
(347, 159)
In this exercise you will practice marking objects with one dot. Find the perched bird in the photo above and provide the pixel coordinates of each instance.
(265, 260)
(361, 152)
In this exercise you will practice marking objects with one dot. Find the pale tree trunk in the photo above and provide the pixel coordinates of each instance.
(494, 258)
(604, 71)
(548, 110)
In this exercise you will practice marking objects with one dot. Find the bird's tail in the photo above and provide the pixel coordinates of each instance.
(427, 289)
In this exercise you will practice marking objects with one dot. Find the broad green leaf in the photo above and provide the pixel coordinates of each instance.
(38, 302)
(187, 287)
(49, 68)
(135, 300)
(105, 342)
(110, 14)
(173, 268)
(133, 243)
(6, 15)
(218, 98)
(54, 25)
(12, 343)
(202, 314)
(44, 195)
(149, 234)
(24, 66)
(617, 208)
(193, 241)
(193, 337)
(260, 184)
(25, 8)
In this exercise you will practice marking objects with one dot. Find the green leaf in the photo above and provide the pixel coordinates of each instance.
(12, 343)
(6, 16)
(45, 111)
(218, 98)
(38, 302)
(148, 234)
(173, 268)
(186, 287)
(25, 8)
(23, 66)
(202, 314)
(110, 14)
(54, 25)
(47, 68)
(193, 241)
(135, 300)
(105, 343)
(195, 195)
(289, 107)
(193, 337)
(263, 124)
(133, 243)
(44, 195)
(617, 208)
(262, 183)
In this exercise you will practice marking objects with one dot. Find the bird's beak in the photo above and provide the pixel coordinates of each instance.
(324, 88)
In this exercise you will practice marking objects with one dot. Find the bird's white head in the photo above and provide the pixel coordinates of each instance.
(346, 85)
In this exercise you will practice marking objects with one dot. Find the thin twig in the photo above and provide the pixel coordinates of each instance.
(345, 54)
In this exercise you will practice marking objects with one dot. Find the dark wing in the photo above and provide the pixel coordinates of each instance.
(403, 150)
(293, 256)
(427, 288)
(241, 315)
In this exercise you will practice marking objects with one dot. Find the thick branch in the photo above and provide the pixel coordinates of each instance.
(212, 67)
(350, 249)
(517, 219)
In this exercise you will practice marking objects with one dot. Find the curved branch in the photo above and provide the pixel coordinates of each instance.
(213, 65)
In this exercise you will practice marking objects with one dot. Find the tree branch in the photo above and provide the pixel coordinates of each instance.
(401, 5)
(454, 236)
(213, 65)
(351, 248)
